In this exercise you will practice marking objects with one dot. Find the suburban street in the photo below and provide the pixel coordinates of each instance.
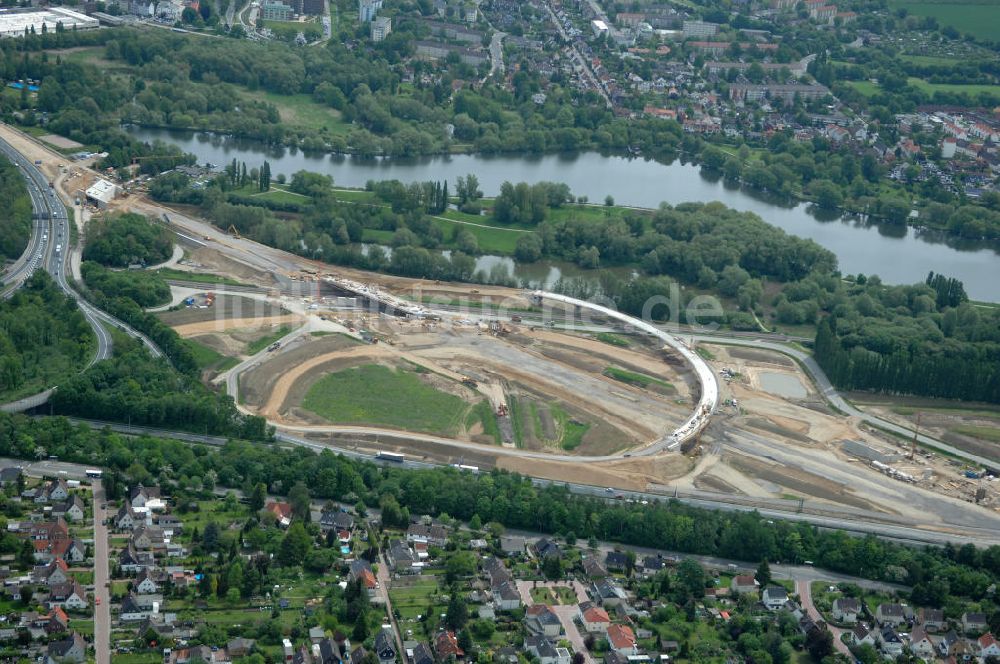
(102, 610)
(804, 589)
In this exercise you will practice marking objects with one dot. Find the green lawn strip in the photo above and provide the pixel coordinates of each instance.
(977, 18)
(199, 277)
(515, 421)
(482, 413)
(572, 431)
(374, 394)
(634, 378)
(255, 347)
(612, 339)
(991, 434)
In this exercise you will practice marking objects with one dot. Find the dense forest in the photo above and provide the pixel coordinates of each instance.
(15, 212)
(924, 339)
(43, 337)
(121, 240)
(134, 387)
(936, 574)
(147, 289)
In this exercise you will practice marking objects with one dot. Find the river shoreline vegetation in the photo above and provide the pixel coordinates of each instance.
(920, 339)
(364, 107)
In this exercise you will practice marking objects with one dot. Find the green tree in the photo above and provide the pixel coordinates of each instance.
(295, 545)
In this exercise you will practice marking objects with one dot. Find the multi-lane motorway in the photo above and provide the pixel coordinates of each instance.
(49, 249)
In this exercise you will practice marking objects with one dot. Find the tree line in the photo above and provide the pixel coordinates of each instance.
(515, 502)
(15, 211)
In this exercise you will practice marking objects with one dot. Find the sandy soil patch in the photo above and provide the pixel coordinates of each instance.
(60, 141)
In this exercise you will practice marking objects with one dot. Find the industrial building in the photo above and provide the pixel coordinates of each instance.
(101, 193)
(599, 27)
(15, 22)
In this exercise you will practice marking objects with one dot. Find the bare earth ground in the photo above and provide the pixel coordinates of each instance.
(225, 307)
(60, 141)
(222, 324)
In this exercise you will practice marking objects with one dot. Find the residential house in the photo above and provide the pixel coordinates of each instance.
(131, 610)
(54, 572)
(145, 584)
(131, 561)
(49, 530)
(70, 649)
(861, 635)
(890, 614)
(541, 619)
(422, 654)
(541, 647)
(506, 596)
(53, 491)
(72, 551)
(69, 595)
(282, 512)
(889, 642)
(947, 643)
(744, 583)
(357, 655)
(240, 647)
(846, 610)
(72, 509)
(964, 650)
(360, 569)
(622, 639)
(921, 644)
(10, 475)
(593, 568)
(608, 593)
(652, 564)
(511, 547)
(774, 597)
(141, 496)
(327, 651)
(446, 645)
(433, 535)
(546, 547)
(616, 561)
(594, 618)
(932, 619)
(974, 623)
(336, 520)
(988, 646)
(127, 518)
(146, 538)
(402, 560)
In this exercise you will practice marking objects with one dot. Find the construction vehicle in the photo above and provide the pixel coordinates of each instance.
(502, 410)
(235, 233)
(468, 382)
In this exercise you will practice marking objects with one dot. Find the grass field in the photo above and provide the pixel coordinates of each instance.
(209, 358)
(976, 18)
(929, 60)
(573, 431)
(302, 110)
(255, 347)
(969, 89)
(991, 434)
(482, 413)
(613, 339)
(373, 394)
(412, 601)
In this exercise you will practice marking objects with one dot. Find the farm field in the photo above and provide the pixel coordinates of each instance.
(976, 18)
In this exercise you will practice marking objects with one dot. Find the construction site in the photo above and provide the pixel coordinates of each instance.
(496, 377)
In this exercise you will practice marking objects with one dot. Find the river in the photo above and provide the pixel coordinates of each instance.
(897, 255)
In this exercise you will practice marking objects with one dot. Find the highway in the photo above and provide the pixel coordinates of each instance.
(49, 249)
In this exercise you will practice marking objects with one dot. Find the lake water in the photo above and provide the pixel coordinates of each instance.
(897, 255)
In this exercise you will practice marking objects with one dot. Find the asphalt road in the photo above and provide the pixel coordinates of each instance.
(102, 611)
(50, 250)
